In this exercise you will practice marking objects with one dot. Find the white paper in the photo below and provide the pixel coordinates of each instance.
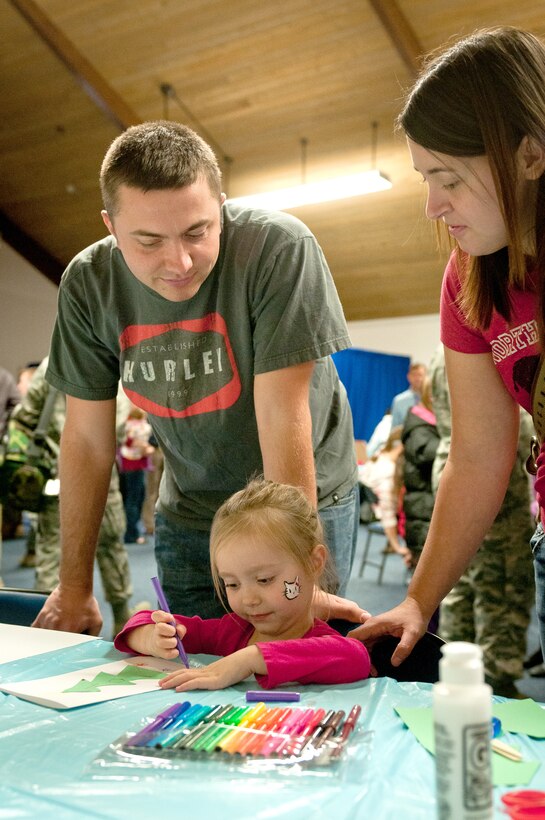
(25, 641)
(52, 692)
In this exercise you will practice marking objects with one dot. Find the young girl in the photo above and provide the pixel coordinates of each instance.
(475, 125)
(133, 463)
(378, 473)
(266, 555)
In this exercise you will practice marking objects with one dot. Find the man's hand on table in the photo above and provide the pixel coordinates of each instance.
(70, 610)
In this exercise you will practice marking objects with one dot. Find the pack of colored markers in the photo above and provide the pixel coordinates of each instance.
(255, 738)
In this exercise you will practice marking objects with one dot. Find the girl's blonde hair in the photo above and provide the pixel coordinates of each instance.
(394, 438)
(277, 513)
(426, 397)
(136, 412)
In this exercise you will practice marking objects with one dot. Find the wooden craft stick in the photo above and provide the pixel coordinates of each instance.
(505, 750)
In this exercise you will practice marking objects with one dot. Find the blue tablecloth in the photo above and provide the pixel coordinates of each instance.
(50, 760)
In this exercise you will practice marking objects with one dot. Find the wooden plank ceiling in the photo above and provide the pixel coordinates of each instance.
(254, 78)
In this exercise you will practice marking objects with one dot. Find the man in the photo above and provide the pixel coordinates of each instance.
(29, 558)
(9, 396)
(402, 403)
(24, 377)
(112, 558)
(219, 321)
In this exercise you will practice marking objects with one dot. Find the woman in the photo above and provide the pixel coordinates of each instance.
(475, 126)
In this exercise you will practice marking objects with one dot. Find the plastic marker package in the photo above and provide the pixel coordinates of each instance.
(250, 738)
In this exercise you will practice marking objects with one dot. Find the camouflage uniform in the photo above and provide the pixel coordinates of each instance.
(9, 396)
(492, 602)
(112, 557)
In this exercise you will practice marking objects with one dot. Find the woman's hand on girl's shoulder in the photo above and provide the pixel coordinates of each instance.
(404, 621)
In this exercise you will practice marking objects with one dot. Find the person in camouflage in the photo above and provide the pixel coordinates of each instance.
(9, 396)
(492, 602)
(112, 557)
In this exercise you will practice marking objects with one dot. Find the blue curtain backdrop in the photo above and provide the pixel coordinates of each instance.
(371, 381)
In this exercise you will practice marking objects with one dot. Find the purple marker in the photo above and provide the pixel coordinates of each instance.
(265, 695)
(164, 606)
(162, 720)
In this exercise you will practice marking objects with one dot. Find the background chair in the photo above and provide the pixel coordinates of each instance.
(20, 606)
(374, 528)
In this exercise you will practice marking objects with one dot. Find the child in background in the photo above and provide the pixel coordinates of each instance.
(133, 462)
(379, 473)
(266, 556)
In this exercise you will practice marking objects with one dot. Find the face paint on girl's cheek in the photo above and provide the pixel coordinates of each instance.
(292, 588)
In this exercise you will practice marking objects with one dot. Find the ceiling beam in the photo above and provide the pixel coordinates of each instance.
(94, 85)
(29, 249)
(400, 32)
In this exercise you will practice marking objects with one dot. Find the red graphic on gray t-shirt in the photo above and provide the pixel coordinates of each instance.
(180, 369)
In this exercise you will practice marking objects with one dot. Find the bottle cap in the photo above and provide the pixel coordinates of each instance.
(462, 663)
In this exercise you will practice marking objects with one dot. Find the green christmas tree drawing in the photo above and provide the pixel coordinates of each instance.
(126, 677)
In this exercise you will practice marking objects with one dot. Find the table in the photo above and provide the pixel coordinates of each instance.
(47, 757)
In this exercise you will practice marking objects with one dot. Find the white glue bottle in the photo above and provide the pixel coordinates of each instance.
(462, 718)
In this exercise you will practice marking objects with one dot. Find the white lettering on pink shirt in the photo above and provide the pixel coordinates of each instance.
(516, 339)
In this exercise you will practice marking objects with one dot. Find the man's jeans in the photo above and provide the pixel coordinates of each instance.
(538, 551)
(341, 523)
(183, 562)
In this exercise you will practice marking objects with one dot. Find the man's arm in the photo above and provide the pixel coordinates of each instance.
(85, 468)
(284, 424)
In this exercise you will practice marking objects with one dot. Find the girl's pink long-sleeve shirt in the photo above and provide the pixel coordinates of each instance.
(322, 655)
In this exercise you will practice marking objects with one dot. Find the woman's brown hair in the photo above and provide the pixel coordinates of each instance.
(481, 96)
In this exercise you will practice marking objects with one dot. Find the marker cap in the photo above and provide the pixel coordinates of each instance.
(276, 696)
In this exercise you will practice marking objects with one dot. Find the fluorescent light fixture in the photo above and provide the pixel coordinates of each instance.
(311, 193)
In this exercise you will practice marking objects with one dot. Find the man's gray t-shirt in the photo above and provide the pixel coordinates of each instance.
(269, 303)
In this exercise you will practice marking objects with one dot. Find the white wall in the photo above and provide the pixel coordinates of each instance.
(414, 336)
(28, 305)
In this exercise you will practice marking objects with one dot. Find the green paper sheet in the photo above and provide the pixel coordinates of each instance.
(134, 672)
(524, 717)
(504, 772)
(126, 677)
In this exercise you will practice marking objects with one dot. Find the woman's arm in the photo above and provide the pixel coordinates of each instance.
(471, 490)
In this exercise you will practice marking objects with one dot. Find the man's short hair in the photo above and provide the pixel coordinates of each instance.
(157, 155)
